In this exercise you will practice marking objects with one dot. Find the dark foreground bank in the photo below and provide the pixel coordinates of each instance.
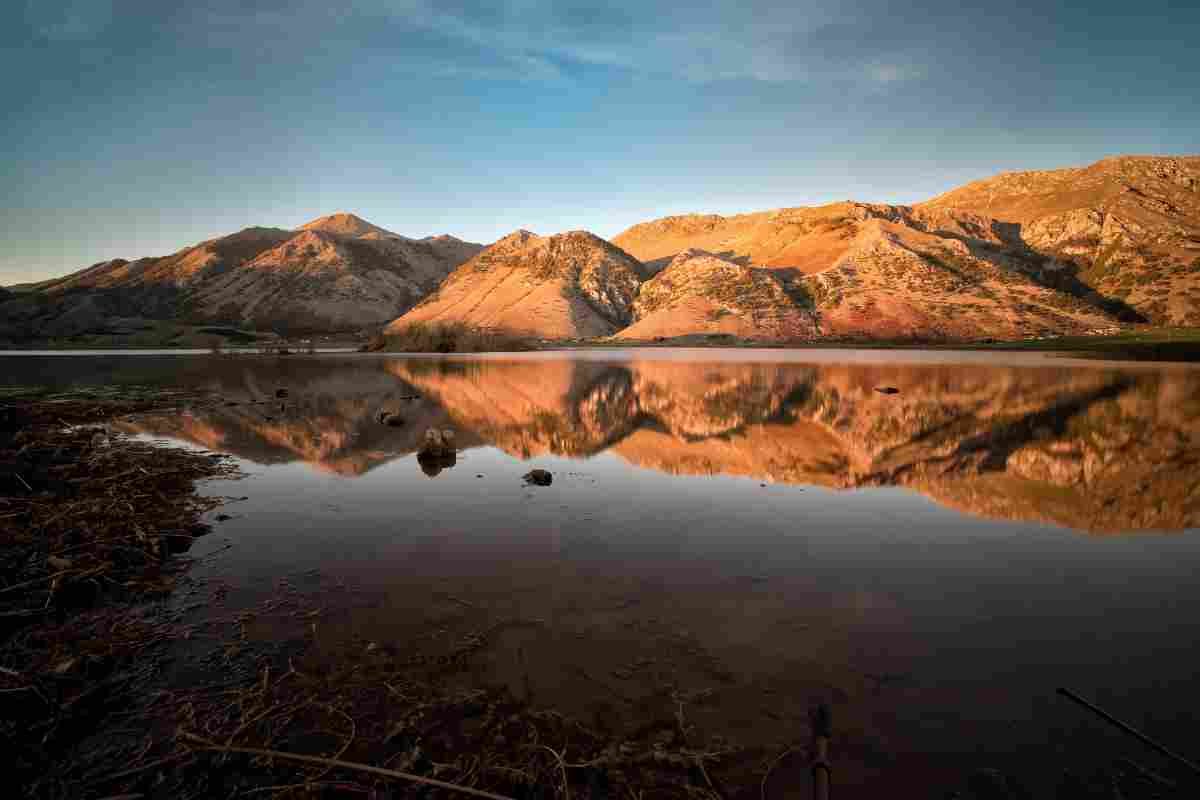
(91, 523)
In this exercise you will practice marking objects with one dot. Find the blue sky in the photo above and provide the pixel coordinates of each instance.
(133, 128)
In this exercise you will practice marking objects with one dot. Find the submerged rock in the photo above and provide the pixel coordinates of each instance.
(538, 477)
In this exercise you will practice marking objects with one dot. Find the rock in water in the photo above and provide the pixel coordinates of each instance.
(538, 477)
(887, 390)
(437, 443)
(437, 452)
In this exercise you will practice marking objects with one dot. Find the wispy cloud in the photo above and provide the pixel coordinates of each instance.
(776, 41)
(770, 41)
(665, 39)
(896, 73)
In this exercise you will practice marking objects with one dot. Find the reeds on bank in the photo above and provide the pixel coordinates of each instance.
(447, 337)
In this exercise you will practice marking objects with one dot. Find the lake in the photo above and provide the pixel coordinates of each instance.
(929, 543)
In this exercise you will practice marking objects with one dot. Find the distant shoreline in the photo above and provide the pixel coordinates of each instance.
(1162, 345)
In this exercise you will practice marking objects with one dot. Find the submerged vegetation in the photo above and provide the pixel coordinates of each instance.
(447, 337)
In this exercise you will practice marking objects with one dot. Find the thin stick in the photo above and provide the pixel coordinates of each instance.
(22, 480)
(562, 765)
(160, 762)
(1148, 774)
(35, 581)
(333, 762)
(762, 787)
(1132, 731)
(346, 746)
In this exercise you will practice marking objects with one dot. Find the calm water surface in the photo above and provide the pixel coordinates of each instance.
(749, 532)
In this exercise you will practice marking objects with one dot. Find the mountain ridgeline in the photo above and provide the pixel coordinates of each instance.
(1071, 251)
(337, 273)
(1074, 251)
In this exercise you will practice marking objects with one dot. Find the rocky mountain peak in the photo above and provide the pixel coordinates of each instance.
(516, 239)
(346, 224)
(693, 253)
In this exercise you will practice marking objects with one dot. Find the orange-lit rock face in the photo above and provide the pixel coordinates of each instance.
(571, 285)
(1091, 448)
(1067, 250)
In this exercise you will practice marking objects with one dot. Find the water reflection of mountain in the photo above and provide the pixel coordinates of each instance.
(1095, 449)
(1092, 448)
(329, 420)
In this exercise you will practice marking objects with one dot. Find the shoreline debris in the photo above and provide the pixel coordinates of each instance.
(89, 521)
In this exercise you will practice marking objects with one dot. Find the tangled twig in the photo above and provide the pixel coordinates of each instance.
(351, 765)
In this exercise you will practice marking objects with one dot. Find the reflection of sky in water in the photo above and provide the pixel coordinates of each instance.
(1016, 598)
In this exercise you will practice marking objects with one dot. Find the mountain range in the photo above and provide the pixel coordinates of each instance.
(336, 273)
(1069, 251)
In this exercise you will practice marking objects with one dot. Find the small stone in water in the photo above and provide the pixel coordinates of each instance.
(539, 477)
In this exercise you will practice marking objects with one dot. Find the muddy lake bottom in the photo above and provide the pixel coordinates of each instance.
(727, 543)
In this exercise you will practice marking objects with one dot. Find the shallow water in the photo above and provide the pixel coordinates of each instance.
(750, 533)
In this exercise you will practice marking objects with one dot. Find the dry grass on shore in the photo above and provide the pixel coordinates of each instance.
(447, 337)
(87, 517)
